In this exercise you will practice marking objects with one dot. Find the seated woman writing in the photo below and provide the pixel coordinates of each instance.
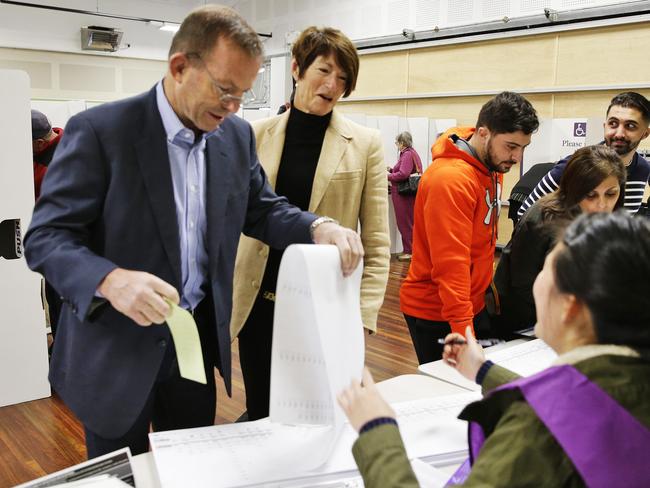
(594, 181)
(583, 421)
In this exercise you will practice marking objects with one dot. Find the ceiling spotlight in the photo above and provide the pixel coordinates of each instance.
(409, 34)
(169, 27)
(551, 14)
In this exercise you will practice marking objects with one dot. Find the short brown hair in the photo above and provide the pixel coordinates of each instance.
(506, 113)
(323, 41)
(587, 168)
(204, 26)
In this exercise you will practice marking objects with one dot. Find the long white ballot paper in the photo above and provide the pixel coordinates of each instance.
(317, 341)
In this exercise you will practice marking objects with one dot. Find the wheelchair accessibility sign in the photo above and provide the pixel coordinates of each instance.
(580, 129)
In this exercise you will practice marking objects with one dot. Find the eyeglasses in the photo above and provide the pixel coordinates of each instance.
(224, 95)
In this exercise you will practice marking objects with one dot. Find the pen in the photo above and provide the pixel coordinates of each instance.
(481, 342)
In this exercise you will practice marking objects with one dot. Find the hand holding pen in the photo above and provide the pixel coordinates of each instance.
(464, 354)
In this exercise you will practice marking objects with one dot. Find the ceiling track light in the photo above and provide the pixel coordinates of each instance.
(170, 27)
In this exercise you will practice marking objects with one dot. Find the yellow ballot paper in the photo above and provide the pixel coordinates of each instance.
(187, 343)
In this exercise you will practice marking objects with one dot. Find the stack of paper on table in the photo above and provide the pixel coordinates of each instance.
(317, 349)
(524, 359)
(260, 452)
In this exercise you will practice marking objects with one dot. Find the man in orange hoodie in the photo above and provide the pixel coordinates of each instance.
(456, 217)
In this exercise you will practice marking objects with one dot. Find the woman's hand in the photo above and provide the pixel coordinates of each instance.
(467, 358)
(363, 403)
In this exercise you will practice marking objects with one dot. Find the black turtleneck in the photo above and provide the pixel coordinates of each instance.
(302, 146)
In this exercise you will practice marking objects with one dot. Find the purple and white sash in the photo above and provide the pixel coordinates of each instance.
(606, 444)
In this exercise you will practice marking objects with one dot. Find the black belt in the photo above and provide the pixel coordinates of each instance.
(268, 295)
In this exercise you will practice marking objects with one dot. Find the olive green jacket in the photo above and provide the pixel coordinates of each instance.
(520, 451)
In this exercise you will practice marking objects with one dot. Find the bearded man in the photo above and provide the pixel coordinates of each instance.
(455, 223)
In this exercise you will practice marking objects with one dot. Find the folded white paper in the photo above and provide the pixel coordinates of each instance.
(317, 342)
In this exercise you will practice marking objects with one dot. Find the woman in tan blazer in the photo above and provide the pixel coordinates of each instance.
(324, 163)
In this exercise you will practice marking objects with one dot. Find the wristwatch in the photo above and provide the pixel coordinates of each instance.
(317, 222)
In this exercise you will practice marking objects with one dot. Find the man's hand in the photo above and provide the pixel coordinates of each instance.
(467, 358)
(348, 242)
(363, 403)
(138, 295)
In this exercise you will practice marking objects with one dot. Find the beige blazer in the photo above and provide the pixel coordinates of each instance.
(350, 185)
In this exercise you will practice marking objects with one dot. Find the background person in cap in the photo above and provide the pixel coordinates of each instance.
(45, 138)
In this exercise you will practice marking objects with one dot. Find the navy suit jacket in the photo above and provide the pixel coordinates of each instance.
(107, 202)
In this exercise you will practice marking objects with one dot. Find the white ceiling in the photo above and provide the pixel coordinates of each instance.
(35, 28)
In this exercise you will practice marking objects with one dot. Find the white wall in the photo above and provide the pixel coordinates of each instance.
(68, 76)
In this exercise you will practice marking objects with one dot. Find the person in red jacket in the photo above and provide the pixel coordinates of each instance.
(45, 138)
(455, 226)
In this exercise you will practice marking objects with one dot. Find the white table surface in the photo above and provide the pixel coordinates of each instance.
(398, 389)
(443, 372)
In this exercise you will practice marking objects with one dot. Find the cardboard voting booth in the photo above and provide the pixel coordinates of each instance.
(557, 138)
(23, 340)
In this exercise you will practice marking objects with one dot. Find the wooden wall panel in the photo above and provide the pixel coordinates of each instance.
(604, 56)
(382, 74)
(505, 227)
(492, 65)
(387, 107)
(465, 109)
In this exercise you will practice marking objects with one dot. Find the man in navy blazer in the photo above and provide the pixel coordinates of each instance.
(144, 201)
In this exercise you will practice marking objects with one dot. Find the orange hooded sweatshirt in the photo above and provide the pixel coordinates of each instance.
(454, 236)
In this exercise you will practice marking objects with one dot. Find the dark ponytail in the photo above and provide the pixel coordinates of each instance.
(604, 260)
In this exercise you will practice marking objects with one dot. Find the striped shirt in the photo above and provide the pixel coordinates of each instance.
(637, 177)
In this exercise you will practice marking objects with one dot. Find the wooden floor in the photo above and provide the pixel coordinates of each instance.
(40, 437)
